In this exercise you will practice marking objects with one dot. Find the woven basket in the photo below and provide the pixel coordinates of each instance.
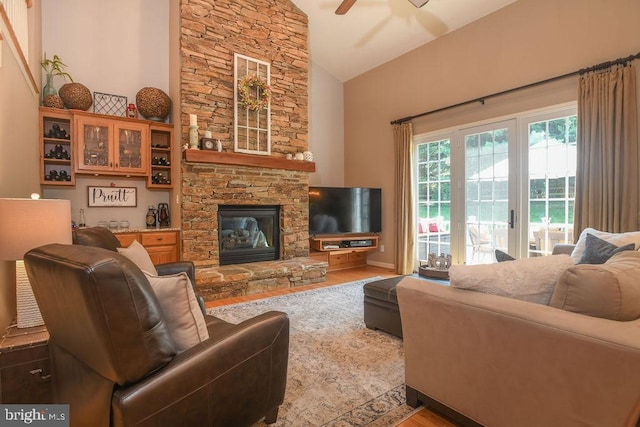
(153, 103)
(76, 96)
(53, 101)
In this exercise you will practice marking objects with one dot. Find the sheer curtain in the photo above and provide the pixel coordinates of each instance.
(404, 209)
(607, 148)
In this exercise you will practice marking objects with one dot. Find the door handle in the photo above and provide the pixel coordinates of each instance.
(512, 219)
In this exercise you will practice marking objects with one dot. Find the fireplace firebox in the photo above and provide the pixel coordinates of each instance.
(248, 234)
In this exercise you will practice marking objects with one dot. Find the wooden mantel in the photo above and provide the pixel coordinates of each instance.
(252, 160)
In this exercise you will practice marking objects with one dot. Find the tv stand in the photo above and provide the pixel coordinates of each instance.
(343, 251)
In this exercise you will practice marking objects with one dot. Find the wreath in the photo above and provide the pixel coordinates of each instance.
(253, 85)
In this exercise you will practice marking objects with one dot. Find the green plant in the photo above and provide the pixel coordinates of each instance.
(55, 67)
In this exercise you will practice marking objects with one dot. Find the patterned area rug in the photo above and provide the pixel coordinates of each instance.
(340, 373)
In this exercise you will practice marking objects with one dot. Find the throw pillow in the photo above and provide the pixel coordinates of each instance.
(503, 256)
(140, 257)
(619, 239)
(178, 303)
(609, 290)
(528, 279)
(598, 251)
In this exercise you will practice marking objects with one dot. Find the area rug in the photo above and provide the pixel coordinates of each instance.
(340, 373)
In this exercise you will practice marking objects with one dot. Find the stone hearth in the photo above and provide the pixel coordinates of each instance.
(258, 277)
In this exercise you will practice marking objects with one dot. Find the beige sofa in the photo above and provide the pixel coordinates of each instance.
(499, 361)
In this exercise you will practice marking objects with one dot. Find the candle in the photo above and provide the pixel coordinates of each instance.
(207, 134)
(193, 120)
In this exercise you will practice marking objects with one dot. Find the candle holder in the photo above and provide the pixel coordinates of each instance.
(193, 137)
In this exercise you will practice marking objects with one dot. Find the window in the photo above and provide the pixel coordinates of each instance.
(490, 186)
(434, 197)
(552, 182)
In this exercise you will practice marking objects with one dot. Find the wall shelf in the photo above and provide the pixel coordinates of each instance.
(229, 158)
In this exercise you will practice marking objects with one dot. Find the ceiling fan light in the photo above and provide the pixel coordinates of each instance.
(419, 3)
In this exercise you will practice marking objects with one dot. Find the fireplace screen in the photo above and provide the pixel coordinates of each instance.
(248, 234)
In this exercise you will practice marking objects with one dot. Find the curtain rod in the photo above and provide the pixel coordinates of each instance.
(504, 92)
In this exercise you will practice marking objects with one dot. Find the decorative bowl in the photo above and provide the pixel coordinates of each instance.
(153, 103)
(76, 96)
(53, 101)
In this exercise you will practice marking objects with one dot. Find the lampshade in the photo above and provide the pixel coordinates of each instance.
(26, 224)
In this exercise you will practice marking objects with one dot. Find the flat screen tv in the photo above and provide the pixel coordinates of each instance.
(340, 210)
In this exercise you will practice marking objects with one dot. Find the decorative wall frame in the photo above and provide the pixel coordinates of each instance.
(252, 105)
(111, 197)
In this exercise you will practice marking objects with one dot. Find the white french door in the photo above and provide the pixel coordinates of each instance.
(506, 185)
(490, 190)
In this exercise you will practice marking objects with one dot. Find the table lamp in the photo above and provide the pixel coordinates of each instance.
(26, 224)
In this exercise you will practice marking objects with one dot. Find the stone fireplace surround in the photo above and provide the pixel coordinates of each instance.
(208, 185)
(211, 31)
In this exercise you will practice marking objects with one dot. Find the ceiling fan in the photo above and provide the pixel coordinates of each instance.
(346, 5)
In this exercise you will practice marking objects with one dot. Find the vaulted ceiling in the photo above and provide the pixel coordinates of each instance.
(376, 31)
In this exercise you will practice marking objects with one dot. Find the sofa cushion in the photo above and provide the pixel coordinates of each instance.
(140, 257)
(178, 302)
(528, 279)
(618, 239)
(598, 251)
(610, 290)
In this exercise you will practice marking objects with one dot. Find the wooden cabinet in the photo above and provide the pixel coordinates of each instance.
(342, 252)
(111, 146)
(25, 372)
(160, 170)
(163, 245)
(79, 142)
(56, 147)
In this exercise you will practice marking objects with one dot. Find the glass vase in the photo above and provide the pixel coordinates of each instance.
(48, 88)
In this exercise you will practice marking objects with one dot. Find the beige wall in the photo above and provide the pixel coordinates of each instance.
(525, 42)
(19, 176)
(326, 127)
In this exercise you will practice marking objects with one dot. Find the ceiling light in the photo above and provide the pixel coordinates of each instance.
(419, 3)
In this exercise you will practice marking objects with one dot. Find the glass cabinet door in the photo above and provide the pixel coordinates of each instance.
(94, 148)
(130, 148)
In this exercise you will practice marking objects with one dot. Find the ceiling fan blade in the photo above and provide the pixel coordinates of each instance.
(344, 7)
(419, 3)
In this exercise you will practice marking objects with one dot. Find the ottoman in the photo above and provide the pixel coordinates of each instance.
(381, 306)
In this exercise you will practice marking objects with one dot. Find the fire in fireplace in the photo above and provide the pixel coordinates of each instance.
(248, 233)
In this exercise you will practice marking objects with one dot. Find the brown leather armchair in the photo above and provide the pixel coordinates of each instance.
(101, 237)
(115, 364)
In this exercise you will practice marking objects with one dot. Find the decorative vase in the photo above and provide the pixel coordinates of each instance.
(76, 96)
(48, 88)
(53, 101)
(308, 156)
(153, 103)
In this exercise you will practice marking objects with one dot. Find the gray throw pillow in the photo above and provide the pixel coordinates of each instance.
(598, 251)
(503, 256)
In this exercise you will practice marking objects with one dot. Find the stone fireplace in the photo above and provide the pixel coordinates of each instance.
(212, 31)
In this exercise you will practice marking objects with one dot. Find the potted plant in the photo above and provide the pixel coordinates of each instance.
(53, 67)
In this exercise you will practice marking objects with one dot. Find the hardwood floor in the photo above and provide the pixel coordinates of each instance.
(424, 417)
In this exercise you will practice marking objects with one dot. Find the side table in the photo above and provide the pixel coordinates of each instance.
(25, 373)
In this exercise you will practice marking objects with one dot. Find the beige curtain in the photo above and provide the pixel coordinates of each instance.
(404, 209)
(607, 147)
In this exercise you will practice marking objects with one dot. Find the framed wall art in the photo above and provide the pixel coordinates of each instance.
(252, 102)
